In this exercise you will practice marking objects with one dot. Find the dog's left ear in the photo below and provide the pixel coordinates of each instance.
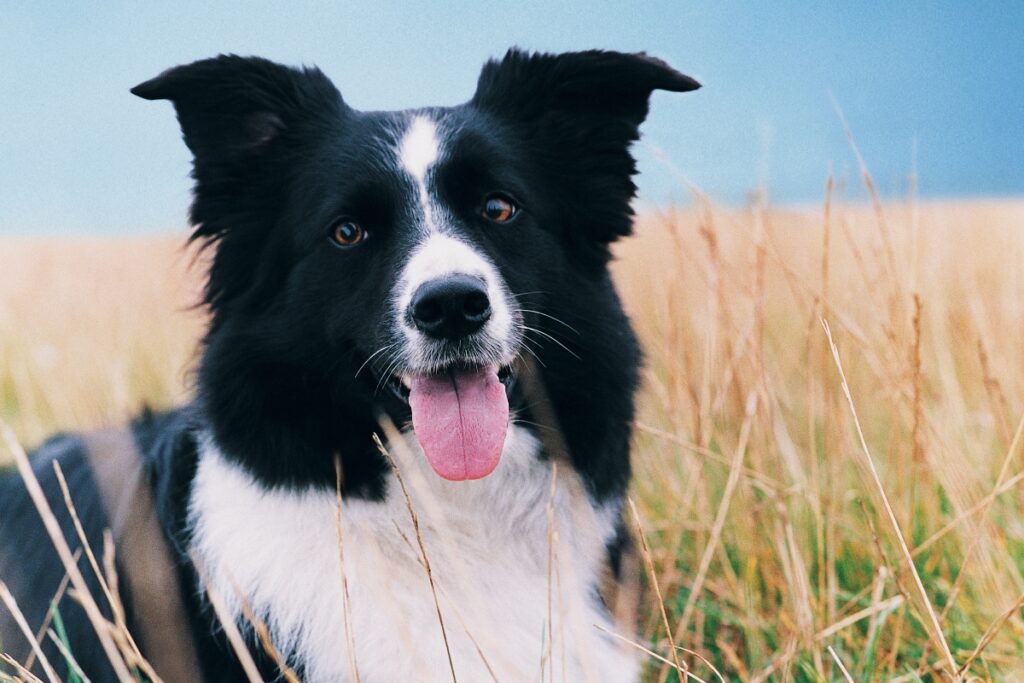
(581, 111)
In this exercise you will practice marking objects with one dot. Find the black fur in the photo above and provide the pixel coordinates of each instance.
(284, 385)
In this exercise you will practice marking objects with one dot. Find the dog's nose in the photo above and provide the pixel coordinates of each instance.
(451, 307)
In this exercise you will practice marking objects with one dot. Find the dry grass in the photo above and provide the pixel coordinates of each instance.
(925, 304)
(90, 327)
(771, 538)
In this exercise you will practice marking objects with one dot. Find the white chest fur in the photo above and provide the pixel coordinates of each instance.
(515, 569)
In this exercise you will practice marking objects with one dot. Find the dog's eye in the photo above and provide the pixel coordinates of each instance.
(498, 208)
(347, 233)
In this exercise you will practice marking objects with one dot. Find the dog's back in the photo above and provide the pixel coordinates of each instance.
(33, 571)
(31, 568)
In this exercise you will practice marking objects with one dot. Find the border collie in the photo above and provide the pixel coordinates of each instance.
(437, 277)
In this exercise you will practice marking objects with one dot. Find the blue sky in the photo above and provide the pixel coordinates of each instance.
(942, 83)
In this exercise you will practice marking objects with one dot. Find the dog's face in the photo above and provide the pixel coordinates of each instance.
(401, 262)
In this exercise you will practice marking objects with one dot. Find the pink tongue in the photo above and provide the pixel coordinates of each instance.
(460, 419)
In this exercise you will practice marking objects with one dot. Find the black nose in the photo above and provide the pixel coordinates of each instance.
(451, 307)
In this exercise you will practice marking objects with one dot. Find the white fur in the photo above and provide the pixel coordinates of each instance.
(440, 255)
(418, 150)
(488, 544)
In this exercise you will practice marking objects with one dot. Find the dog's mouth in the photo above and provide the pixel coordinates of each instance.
(459, 415)
(400, 383)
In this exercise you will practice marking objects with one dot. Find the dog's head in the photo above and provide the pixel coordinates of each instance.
(403, 262)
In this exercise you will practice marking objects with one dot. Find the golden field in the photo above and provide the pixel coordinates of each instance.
(789, 540)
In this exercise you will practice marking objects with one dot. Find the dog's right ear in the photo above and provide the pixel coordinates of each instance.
(231, 108)
(244, 119)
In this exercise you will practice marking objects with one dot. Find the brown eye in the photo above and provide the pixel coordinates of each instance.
(347, 233)
(499, 209)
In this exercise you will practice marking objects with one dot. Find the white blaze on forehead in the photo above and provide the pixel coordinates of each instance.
(418, 148)
(417, 152)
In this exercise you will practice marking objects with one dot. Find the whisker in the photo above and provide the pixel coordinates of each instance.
(520, 421)
(547, 315)
(526, 347)
(548, 336)
(386, 374)
(372, 356)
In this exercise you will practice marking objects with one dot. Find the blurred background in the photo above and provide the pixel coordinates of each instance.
(928, 87)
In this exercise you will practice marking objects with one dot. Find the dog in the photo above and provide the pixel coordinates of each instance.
(408, 453)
